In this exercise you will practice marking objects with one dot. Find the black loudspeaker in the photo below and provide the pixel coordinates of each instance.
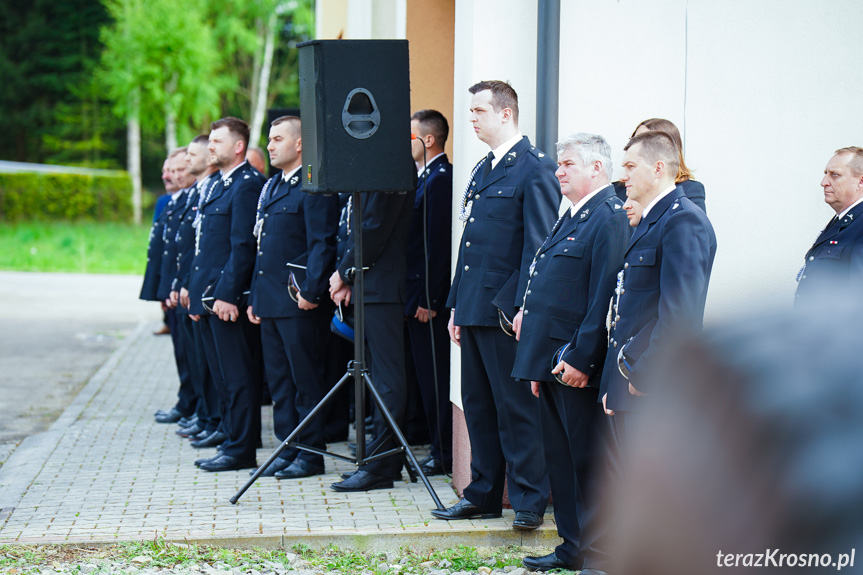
(355, 106)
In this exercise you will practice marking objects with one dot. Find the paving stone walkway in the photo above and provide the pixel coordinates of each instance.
(106, 472)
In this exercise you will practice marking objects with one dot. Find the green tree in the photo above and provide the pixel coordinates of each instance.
(47, 50)
(158, 56)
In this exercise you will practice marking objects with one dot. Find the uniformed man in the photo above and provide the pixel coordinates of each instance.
(566, 303)
(296, 234)
(222, 270)
(207, 406)
(429, 259)
(186, 397)
(386, 219)
(836, 257)
(663, 285)
(510, 204)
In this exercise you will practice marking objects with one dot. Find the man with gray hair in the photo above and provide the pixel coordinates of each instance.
(572, 280)
(836, 257)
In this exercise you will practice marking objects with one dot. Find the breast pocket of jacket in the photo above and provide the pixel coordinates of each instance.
(643, 273)
(568, 261)
(500, 202)
(219, 223)
(829, 253)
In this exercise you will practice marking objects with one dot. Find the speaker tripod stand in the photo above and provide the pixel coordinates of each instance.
(357, 372)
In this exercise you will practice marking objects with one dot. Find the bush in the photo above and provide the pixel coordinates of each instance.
(53, 196)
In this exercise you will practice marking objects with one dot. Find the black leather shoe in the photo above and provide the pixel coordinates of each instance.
(188, 421)
(173, 416)
(227, 463)
(189, 431)
(199, 462)
(363, 481)
(300, 468)
(526, 520)
(203, 435)
(348, 474)
(464, 509)
(428, 459)
(432, 467)
(216, 438)
(546, 563)
(273, 467)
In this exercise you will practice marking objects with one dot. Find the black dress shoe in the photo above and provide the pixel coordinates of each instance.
(188, 421)
(300, 468)
(203, 435)
(432, 467)
(428, 459)
(215, 439)
(526, 520)
(189, 431)
(273, 467)
(363, 481)
(464, 509)
(546, 563)
(199, 462)
(227, 463)
(349, 474)
(172, 416)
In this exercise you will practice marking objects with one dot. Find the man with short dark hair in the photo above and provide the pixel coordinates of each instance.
(566, 304)
(222, 270)
(429, 259)
(296, 234)
(509, 205)
(836, 257)
(662, 288)
(207, 407)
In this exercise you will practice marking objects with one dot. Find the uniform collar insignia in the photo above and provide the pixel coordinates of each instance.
(228, 181)
(617, 206)
(294, 180)
(584, 214)
(675, 206)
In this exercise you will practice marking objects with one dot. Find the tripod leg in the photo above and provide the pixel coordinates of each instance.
(402, 441)
(290, 438)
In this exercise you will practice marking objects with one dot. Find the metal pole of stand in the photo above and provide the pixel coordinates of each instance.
(359, 363)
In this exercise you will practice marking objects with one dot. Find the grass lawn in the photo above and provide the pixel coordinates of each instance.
(80, 247)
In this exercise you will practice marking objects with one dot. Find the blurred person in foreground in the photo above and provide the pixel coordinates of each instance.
(747, 453)
(836, 257)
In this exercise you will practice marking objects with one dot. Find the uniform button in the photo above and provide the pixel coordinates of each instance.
(476, 197)
(622, 291)
(148, 259)
(543, 255)
(528, 292)
(197, 268)
(641, 259)
(260, 273)
(535, 274)
(466, 268)
(803, 278)
(525, 312)
(613, 324)
(617, 318)
(260, 253)
(615, 344)
(499, 192)
(626, 265)
(266, 215)
(566, 249)
(165, 253)
(217, 209)
(263, 234)
(811, 258)
(467, 244)
(471, 220)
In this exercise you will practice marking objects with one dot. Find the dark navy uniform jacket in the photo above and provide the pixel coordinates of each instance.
(297, 228)
(573, 279)
(152, 273)
(434, 201)
(691, 189)
(169, 244)
(386, 219)
(513, 209)
(835, 260)
(185, 237)
(666, 271)
(226, 242)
